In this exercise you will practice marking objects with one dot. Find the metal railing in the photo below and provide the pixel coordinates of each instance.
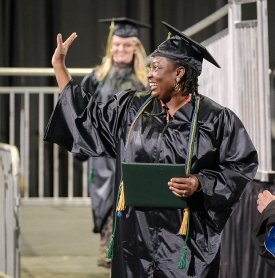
(9, 211)
(243, 84)
(16, 71)
(19, 122)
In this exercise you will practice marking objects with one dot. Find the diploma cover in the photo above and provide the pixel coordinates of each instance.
(145, 184)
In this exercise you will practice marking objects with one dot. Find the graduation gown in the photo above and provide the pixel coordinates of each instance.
(102, 169)
(261, 233)
(224, 160)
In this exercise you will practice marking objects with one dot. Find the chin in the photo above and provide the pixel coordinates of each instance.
(155, 94)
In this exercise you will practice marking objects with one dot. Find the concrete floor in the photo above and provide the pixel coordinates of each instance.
(56, 241)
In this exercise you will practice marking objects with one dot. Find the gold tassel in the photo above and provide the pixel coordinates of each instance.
(184, 223)
(121, 201)
(109, 40)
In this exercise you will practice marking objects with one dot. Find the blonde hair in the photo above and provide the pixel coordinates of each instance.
(139, 66)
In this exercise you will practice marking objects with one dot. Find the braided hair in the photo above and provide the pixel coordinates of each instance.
(190, 79)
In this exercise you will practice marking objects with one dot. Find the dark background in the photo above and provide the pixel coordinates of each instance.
(29, 27)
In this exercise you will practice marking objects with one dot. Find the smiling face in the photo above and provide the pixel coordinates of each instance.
(123, 49)
(162, 78)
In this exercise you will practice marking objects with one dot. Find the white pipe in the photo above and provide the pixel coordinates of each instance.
(5, 71)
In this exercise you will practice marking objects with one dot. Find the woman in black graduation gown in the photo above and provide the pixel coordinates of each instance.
(223, 161)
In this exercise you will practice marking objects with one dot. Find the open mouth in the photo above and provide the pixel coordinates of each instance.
(153, 85)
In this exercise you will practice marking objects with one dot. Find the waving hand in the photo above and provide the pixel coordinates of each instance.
(58, 60)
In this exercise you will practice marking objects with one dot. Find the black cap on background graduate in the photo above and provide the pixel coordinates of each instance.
(125, 27)
(180, 47)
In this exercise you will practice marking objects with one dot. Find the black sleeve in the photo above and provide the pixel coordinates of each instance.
(236, 166)
(88, 128)
(89, 84)
(260, 233)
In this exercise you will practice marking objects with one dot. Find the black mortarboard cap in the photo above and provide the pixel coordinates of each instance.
(181, 47)
(126, 27)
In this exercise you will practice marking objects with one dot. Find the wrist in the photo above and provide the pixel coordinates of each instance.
(198, 184)
(199, 188)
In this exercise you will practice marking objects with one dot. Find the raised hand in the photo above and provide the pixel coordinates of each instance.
(58, 60)
(61, 50)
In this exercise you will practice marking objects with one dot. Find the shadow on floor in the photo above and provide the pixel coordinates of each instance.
(56, 241)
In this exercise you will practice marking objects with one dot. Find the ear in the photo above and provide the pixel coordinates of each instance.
(180, 72)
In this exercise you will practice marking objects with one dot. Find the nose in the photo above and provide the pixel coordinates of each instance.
(149, 73)
(121, 47)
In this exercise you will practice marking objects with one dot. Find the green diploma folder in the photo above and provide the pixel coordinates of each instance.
(145, 185)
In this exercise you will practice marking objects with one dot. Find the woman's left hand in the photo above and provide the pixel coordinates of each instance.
(184, 187)
(264, 199)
